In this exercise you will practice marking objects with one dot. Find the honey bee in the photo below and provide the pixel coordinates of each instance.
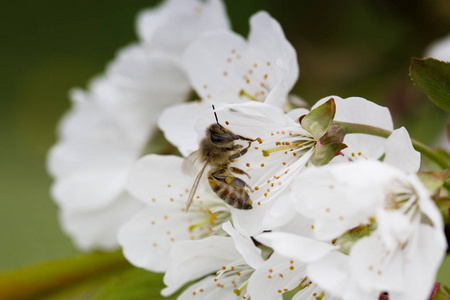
(217, 150)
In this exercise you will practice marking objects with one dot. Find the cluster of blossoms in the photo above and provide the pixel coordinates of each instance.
(333, 213)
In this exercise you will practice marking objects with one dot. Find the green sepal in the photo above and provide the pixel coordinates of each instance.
(323, 154)
(432, 77)
(434, 180)
(335, 134)
(440, 292)
(317, 121)
(349, 238)
(443, 204)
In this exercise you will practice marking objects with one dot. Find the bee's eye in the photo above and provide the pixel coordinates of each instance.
(221, 138)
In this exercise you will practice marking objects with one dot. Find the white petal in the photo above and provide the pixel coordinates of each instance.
(182, 21)
(294, 246)
(97, 229)
(147, 238)
(337, 195)
(295, 114)
(426, 255)
(440, 49)
(175, 23)
(89, 189)
(158, 178)
(244, 245)
(299, 225)
(361, 111)
(333, 275)
(221, 65)
(214, 69)
(279, 213)
(374, 268)
(136, 88)
(178, 124)
(88, 121)
(268, 43)
(400, 152)
(194, 259)
(312, 292)
(72, 155)
(253, 118)
(207, 288)
(276, 276)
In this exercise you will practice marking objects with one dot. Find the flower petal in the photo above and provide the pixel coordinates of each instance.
(295, 246)
(102, 185)
(98, 228)
(400, 152)
(332, 274)
(175, 23)
(148, 185)
(361, 111)
(316, 191)
(194, 259)
(245, 246)
(209, 288)
(223, 67)
(276, 276)
(426, 255)
(178, 123)
(147, 238)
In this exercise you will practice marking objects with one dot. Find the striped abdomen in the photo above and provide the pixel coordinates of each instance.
(233, 195)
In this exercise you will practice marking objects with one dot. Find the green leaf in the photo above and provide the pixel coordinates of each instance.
(319, 119)
(36, 280)
(432, 77)
(136, 284)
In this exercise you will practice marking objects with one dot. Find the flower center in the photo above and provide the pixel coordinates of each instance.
(237, 273)
(208, 218)
(403, 198)
(272, 164)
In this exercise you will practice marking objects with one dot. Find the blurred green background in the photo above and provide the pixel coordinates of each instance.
(345, 48)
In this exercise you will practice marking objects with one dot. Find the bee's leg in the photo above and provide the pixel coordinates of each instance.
(238, 171)
(240, 137)
(235, 147)
(240, 153)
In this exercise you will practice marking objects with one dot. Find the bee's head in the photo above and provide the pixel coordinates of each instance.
(220, 136)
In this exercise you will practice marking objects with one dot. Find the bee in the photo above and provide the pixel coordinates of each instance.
(217, 150)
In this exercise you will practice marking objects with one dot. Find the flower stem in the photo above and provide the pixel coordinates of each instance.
(371, 130)
(52, 277)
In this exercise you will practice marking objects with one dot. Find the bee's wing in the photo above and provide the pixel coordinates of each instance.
(191, 164)
(194, 186)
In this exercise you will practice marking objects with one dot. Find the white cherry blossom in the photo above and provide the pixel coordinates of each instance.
(360, 111)
(110, 124)
(159, 183)
(284, 270)
(283, 150)
(224, 68)
(404, 231)
(233, 259)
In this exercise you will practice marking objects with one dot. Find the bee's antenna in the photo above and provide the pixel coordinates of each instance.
(215, 115)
